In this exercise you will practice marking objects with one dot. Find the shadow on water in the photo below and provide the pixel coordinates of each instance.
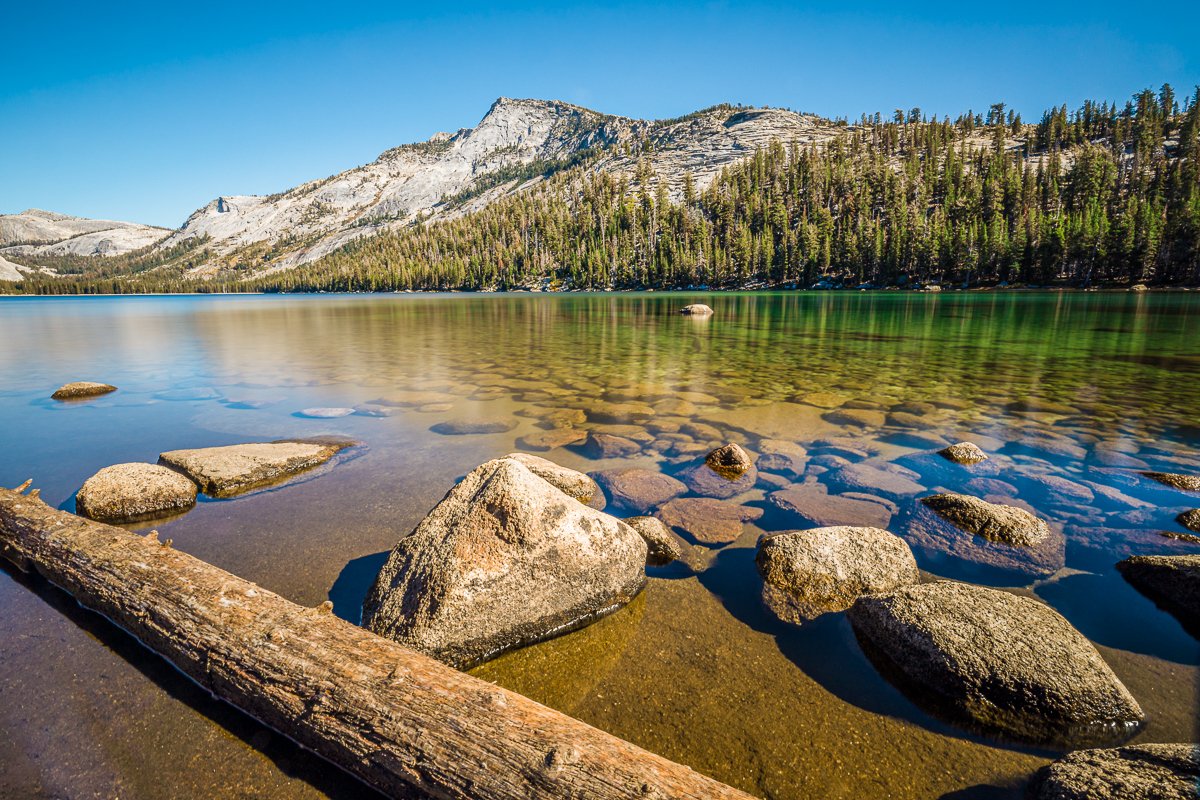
(1109, 611)
(353, 583)
(290, 758)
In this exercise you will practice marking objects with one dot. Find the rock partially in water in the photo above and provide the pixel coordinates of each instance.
(326, 413)
(1187, 483)
(637, 490)
(549, 440)
(662, 546)
(504, 560)
(813, 572)
(995, 660)
(134, 492)
(1190, 519)
(696, 310)
(705, 481)
(605, 445)
(462, 427)
(1003, 524)
(80, 389)
(813, 504)
(708, 520)
(1139, 772)
(730, 461)
(230, 470)
(963, 453)
(1173, 582)
(568, 481)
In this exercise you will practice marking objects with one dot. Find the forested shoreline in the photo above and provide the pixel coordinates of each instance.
(1102, 196)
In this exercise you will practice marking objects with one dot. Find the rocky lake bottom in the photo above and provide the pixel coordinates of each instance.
(842, 400)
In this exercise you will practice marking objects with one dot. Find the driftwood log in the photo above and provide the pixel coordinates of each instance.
(400, 721)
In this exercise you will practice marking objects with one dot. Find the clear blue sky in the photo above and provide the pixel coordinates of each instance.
(146, 112)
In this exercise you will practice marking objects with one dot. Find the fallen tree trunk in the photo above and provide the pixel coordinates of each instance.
(402, 722)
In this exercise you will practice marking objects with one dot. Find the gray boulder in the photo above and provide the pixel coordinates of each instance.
(133, 492)
(568, 481)
(809, 573)
(1141, 772)
(662, 546)
(696, 310)
(80, 389)
(995, 522)
(230, 470)
(1172, 582)
(637, 490)
(997, 661)
(730, 461)
(504, 560)
(963, 453)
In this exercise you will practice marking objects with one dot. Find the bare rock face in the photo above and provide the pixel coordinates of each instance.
(696, 310)
(1187, 483)
(79, 389)
(568, 481)
(809, 573)
(1190, 519)
(996, 661)
(995, 522)
(730, 462)
(233, 469)
(812, 503)
(963, 453)
(133, 492)
(708, 520)
(504, 560)
(1172, 582)
(1141, 772)
(662, 546)
(637, 490)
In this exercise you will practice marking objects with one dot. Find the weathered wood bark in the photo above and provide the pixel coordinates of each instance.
(402, 722)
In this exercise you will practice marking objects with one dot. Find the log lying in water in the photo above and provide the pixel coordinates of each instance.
(402, 722)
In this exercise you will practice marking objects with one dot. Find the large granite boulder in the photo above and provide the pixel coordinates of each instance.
(707, 520)
(637, 490)
(1140, 772)
(568, 481)
(812, 503)
(1173, 582)
(809, 573)
(134, 492)
(237, 468)
(662, 546)
(504, 560)
(997, 661)
(79, 389)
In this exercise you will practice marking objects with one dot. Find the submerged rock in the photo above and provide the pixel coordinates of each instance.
(890, 480)
(1172, 582)
(605, 445)
(813, 572)
(1140, 772)
(568, 481)
(708, 520)
(637, 490)
(812, 503)
(549, 440)
(661, 545)
(861, 417)
(995, 660)
(730, 461)
(133, 492)
(79, 389)
(696, 310)
(1188, 483)
(995, 522)
(326, 413)
(963, 453)
(705, 481)
(230, 470)
(462, 427)
(503, 561)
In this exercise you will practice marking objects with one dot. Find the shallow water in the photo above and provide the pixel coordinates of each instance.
(1088, 388)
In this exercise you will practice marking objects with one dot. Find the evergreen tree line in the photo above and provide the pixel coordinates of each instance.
(1100, 196)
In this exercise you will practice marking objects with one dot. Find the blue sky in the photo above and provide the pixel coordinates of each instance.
(146, 112)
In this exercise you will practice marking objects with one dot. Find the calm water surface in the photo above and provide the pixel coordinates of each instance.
(1071, 393)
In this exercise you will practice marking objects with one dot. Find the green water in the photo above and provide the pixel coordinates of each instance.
(1090, 388)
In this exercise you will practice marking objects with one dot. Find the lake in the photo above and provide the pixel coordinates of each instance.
(1072, 394)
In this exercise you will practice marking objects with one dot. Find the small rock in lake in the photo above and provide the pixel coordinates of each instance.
(637, 490)
(549, 440)
(963, 453)
(889, 480)
(1190, 519)
(605, 445)
(661, 545)
(1187, 483)
(696, 310)
(569, 481)
(230, 470)
(704, 481)
(134, 492)
(463, 427)
(996, 660)
(730, 461)
(1172, 582)
(812, 503)
(707, 520)
(326, 413)
(80, 389)
(813, 572)
(1139, 772)
(504, 560)
(995, 522)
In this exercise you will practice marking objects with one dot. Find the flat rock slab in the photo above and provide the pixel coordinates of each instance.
(782, 420)
(464, 427)
(889, 480)
(1142, 772)
(812, 503)
(325, 413)
(81, 389)
(708, 520)
(637, 490)
(997, 661)
(504, 560)
(134, 492)
(703, 480)
(233, 469)
(605, 445)
(1173, 582)
(548, 440)
(813, 572)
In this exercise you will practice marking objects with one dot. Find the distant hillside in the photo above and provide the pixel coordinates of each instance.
(543, 194)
